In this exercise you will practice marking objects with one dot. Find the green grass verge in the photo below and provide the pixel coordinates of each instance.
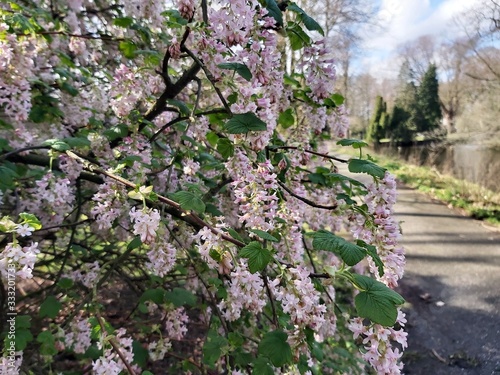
(475, 200)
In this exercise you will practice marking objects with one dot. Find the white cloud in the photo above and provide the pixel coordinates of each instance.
(403, 21)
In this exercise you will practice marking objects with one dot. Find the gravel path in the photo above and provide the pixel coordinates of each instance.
(452, 286)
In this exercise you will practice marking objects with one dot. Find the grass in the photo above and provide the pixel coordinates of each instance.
(475, 200)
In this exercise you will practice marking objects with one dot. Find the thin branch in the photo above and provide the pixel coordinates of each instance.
(305, 200)
(274, 148)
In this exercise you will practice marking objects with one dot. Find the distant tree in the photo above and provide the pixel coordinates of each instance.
(378, 124)
(428, 116)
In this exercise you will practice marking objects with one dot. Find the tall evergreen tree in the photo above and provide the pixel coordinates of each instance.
(428, 101)
(378, 124)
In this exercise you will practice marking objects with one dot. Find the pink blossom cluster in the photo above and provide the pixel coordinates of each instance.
(146, 223)
(78, 337)
(158, 349)
(9, 367)
(211, 246)
(378, 341)
(245, 293)
(320, 72)
(300, 299)
(51, 199)
(161, 257)
(86, 274)
(110, 204)
(254, 191)
(384, 233)
(16, 68)
(186, 8)
(175, 323)
(23, 257)
(110, 363)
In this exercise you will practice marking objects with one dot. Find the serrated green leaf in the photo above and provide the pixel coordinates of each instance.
(350, 253)
(225, 147)
(117, 131)
(213, 348)
(286, 118)
(274, 346)
(376, 301)
(180, 297)
(366, 166)
(335, 177)
(264, 235)
(261, 367)
(239, 68)
(50, 307)
(355, 143)
(76, 142)
(212, 138)
(47, 341)
(258, 257)
(243, 123)
(189, 201)
(275, 12)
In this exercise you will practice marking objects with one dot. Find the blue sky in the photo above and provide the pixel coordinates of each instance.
(406, 20)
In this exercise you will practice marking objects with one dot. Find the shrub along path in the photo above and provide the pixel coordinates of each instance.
(452, 288)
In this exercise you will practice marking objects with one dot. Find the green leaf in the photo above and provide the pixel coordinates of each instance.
(70, 89)
(264, 235)
(372, 251)
(225, 147)
(157, 295)
(258, 257)
(141, 354)
(117, 131)
(212, 138)
(180, 297)
(366, 166)
(239, 68)
(77, 142)
(123, 21)
(31, 220)
(275, 347)
(181, 105)
(243, 123)
(298, 37)
(56, 144)
(335, 177)
(47, 341)
(274, 11)
(286, 119)
(261, 367)
(128, 48)
(355, 143)
(376, 301)
(50, 307)
(189, 201)
(23, 335)
(309, 22)
(213, 348)
(65, 283)
(135, 243)
(350, 253)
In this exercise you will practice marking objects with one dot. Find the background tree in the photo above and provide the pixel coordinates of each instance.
(428, 104)
(379, 122)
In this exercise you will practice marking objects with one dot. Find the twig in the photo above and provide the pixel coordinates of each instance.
(305, 200)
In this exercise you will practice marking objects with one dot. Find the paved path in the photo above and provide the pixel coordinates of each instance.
(452, 285)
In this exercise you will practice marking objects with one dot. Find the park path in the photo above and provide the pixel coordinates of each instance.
(452, 288)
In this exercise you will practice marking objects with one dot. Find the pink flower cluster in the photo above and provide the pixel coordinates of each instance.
(23, 258)
(186, 8)
(378, 343)
(78, 338)
(86, 274)
(254, 191)
(110, 363)
(110, 204)
(161, 258)
(175, 323)
(146, 223)
(246, 292)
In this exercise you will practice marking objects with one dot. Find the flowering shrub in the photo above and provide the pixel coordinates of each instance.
(171, 198)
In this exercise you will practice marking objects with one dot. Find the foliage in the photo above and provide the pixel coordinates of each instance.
(169, 203)
(380, 121)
